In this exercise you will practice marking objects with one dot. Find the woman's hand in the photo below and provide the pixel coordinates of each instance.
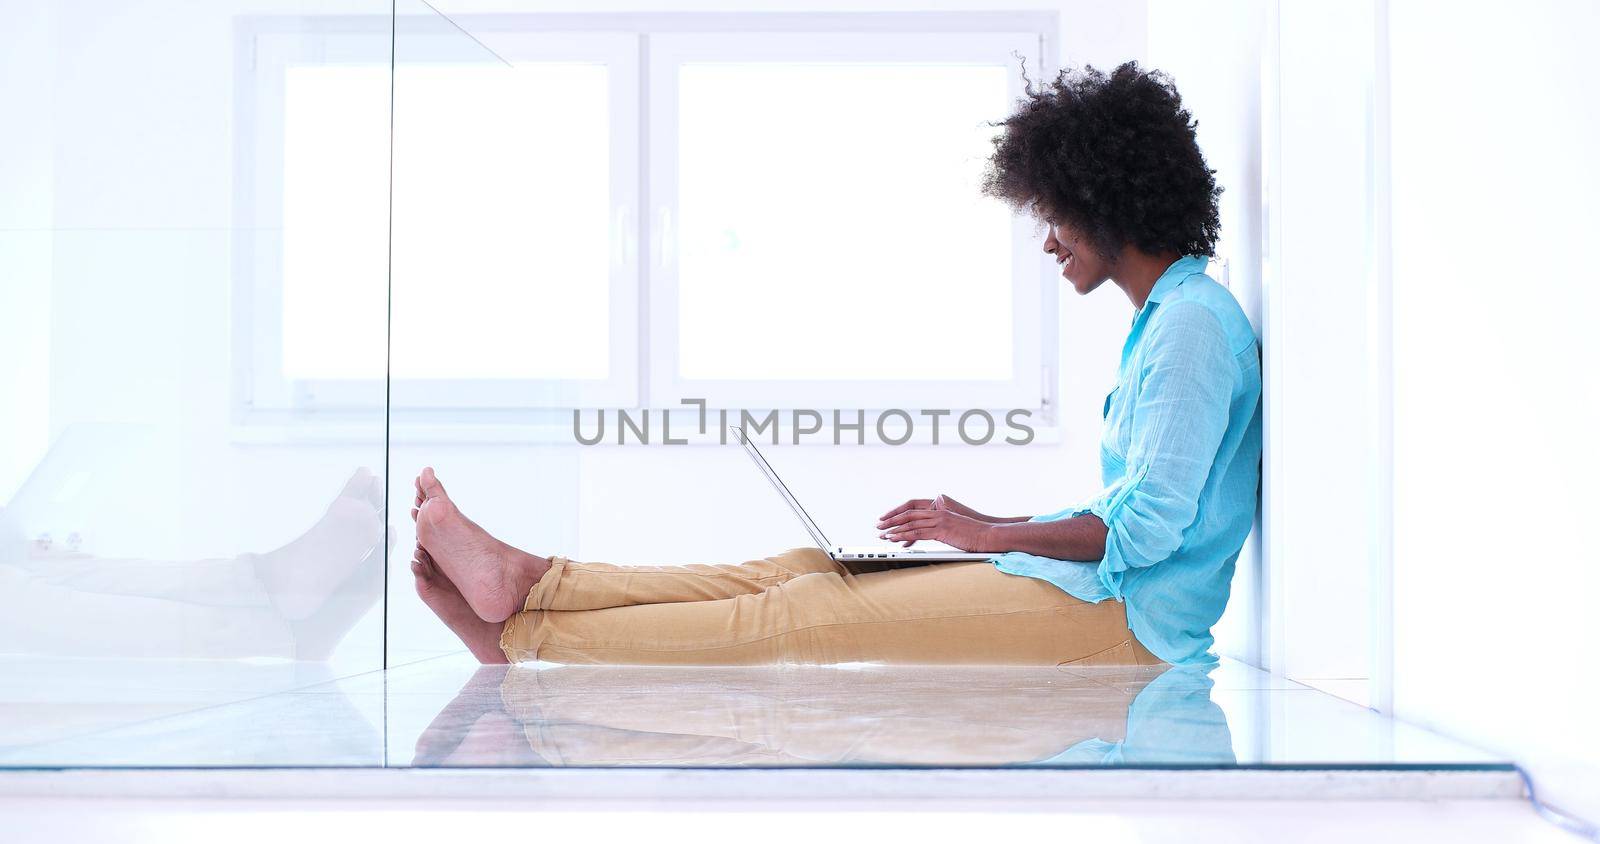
(943, 502)
(941, 519)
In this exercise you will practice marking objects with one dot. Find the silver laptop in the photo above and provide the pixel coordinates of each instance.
(848, 553)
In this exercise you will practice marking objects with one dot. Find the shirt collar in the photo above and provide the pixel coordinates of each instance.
(1174, 275)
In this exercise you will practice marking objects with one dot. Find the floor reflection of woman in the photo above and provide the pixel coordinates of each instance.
(807, 716)
(1137, 574)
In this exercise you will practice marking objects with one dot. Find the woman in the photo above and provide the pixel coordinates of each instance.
(1137, 575)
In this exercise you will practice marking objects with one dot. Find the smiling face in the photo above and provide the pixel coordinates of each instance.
(1080, 263)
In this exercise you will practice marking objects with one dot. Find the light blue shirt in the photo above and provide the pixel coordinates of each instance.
(1180, 458)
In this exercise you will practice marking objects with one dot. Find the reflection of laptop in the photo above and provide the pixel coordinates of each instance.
(859, 552)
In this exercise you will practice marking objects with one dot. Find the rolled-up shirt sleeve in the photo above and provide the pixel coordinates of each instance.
(1185, 384)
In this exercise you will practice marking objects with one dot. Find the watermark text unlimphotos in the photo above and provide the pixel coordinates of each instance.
(859, 427)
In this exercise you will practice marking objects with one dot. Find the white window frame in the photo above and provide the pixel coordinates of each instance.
(1028, 388)
(267, 47)
(262, 387)
(644, 290)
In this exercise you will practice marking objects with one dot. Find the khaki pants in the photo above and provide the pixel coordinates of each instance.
(800, 607)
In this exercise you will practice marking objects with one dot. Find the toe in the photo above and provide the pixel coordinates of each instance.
(428, 577)
(377, 494)
(358, 485)
(435, 511)
(429, 483)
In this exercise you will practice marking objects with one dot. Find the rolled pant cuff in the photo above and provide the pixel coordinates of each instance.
(522, 635)
(543, 593)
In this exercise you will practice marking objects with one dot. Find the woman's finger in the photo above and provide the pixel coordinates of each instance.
(913, 504)
(896, 511)
(915, 524)
(911, 536)
(904, 517)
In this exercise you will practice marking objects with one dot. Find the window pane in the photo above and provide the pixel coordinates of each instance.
(832, 226)
(501, 265)
(335, 218)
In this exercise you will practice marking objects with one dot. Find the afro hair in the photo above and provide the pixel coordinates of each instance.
(1114, 156)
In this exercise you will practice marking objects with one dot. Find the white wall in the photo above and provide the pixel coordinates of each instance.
(1319, 466)
(26, 169)
(1497, 572)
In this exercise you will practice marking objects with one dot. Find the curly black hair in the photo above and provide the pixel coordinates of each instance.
(1114, 157)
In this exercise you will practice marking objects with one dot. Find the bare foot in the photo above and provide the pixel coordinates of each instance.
(317, 635)
(493, 576)
(300, 576)
(481, 637)
(475, 730)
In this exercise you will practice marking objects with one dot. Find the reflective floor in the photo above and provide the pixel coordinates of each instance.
(448, 711)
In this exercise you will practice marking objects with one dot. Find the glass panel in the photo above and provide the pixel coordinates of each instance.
(335, 194)
(510, 221)
(844, 199)
(155, 517)
(504, 224)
